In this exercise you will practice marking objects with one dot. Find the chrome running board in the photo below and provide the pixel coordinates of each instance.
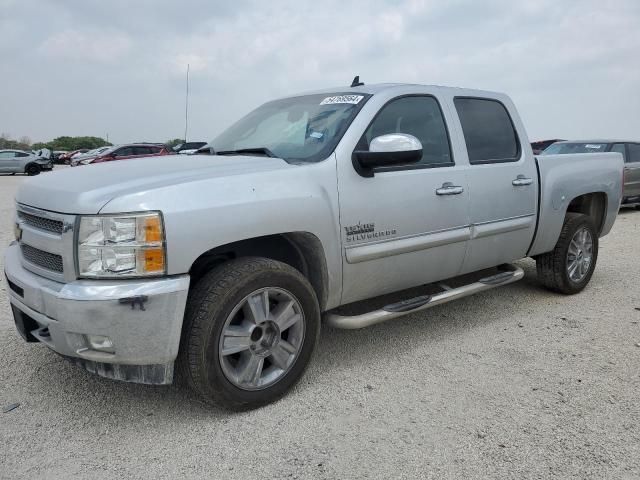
(417, 304)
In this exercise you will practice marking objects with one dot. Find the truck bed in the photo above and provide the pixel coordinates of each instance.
(565, 177)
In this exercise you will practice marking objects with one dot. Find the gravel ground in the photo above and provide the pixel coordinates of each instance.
(512, 383)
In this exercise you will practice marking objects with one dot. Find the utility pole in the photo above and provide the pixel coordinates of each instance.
(186, 107)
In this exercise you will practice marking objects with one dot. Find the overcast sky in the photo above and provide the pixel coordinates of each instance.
(117, 67)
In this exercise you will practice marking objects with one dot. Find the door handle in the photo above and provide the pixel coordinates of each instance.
(449, 188)
(522, 181)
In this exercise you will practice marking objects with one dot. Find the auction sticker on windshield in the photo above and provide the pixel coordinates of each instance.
(353, 99)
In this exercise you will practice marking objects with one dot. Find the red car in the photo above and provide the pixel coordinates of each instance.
(66, 157)
(132, 150)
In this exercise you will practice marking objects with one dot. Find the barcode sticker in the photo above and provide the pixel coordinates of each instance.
(353, 99)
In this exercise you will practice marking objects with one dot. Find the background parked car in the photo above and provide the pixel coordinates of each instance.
(66, 157)
(78, 157)
(133, 150)
(57, 154)
(188, 148)
(630, 152)
(539, 146)
(19, 161)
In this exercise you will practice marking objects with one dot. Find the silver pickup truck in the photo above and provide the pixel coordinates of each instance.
(223, 264)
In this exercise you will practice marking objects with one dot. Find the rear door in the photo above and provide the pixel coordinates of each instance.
(632, 173)
(21, 160)
(503, 183)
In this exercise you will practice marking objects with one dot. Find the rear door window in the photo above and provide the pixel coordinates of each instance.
(620, 148)
(634, 153)
(488, 130)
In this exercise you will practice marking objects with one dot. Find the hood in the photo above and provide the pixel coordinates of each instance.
(86, 189)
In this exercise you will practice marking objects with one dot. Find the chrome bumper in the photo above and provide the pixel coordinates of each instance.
(142, 318)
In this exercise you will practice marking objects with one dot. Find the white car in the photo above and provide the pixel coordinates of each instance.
(19, 161)
(79, 157)
(188, 148)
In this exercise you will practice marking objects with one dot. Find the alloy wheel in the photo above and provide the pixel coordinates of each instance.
(261, 338)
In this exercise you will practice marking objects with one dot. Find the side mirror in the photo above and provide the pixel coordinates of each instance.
(386, 151)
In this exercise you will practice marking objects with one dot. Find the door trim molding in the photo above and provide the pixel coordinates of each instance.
(505, 225)
(424, 241)
(373, 251)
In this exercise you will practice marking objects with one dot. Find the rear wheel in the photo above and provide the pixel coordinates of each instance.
(569, 266)
(32, 169)
(251, 326)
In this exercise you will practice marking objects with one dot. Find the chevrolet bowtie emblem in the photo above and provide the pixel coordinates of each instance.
(17, 231)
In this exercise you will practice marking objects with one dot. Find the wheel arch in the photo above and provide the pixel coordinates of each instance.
(593, 205)
(301, 250)
(26, 167)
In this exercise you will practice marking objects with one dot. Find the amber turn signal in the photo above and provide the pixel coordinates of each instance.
(152, 229)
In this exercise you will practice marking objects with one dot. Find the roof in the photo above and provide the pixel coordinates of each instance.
(377, 88)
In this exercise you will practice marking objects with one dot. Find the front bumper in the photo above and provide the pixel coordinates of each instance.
(142, 318)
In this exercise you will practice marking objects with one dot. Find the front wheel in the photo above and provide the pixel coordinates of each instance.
(32, 169)
(569, 266)
(251, 326)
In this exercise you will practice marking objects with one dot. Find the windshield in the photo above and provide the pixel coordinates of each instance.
(306, 128)
(561, 148)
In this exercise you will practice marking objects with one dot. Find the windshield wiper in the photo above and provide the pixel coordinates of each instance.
(254, 150)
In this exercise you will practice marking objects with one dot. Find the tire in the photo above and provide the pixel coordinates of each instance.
(554, 267)
(32, 169)
(214, 309)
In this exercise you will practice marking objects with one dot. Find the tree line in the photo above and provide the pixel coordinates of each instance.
(62, 143)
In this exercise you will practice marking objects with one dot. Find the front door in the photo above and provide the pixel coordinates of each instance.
(503, 184)
(405, 226)
(7, 161)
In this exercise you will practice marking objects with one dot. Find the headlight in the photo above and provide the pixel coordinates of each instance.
(130, 245)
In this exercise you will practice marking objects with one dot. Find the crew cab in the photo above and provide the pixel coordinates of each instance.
(223, 265)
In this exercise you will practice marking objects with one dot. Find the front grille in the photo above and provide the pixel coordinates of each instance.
(42, 223)
(42, 259)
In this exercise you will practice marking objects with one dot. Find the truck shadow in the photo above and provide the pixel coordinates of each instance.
(86, 395)
(348, 348)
